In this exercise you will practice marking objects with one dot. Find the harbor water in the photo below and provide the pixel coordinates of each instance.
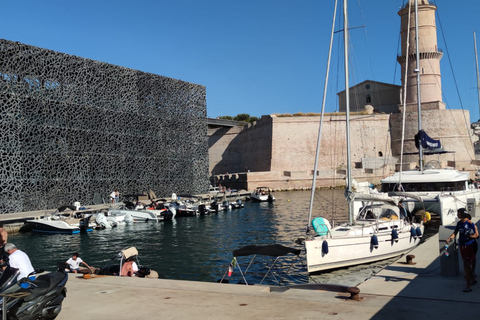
(200, 248)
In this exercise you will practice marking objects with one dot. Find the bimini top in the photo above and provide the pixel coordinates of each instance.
(274, 250)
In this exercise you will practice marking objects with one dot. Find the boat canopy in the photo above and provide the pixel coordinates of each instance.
(274, 250)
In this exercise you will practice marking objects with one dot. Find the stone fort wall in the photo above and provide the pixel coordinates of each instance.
(375, 148)
(71, 128)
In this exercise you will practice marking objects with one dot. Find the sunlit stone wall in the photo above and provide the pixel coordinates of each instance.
(71, 128)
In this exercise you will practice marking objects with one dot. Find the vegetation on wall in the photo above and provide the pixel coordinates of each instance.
(244, 117)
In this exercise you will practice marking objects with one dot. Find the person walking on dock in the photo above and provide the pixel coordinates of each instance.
(467, 235)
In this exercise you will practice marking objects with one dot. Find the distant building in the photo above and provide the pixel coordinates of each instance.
(383, 97)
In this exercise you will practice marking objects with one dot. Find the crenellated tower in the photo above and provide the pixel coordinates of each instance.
(430, 82)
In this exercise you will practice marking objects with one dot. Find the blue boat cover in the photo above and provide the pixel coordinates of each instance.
(429, 144)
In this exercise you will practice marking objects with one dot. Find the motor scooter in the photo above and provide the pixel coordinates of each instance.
(24, 299)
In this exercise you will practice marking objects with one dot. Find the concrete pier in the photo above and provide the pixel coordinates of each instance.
(400, 291)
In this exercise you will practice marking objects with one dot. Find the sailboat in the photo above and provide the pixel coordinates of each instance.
(443, 190)
(378, 229)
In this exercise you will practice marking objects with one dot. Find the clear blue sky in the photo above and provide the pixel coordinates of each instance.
(254, 56)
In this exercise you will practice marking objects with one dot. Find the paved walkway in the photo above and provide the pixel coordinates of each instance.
(400, 291)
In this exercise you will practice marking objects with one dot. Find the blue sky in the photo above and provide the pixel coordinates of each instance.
(254, 56)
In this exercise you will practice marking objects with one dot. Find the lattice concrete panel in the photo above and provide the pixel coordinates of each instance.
(72, 127)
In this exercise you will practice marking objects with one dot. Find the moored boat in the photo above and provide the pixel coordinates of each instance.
(63, 220)
(262, 194)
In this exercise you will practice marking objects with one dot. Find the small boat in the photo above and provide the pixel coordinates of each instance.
(61, 221)
(238, 203)
(139, 213)
(105, 222)
(262, 194)
(128, 254)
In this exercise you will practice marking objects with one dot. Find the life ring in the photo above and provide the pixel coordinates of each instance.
(426, 216)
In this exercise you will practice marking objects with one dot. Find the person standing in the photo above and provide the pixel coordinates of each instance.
(112, 197)
(467, 235)
(117, 196)
(3, 241)
(19, 260)
(74, 263)
(475, 249)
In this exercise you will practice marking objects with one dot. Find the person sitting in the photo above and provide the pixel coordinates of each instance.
(370, 215)
(74, 263)
(19, 260)
(129, 268)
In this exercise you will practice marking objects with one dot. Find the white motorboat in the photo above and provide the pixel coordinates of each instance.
(442, 191)
(61, 221)
(376, 232)
(262, 194)
(121, 213)
(105, 222)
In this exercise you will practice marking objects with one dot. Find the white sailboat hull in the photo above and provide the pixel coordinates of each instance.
(346, 250)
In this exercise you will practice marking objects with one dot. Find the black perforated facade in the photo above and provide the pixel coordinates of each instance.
(71, 127)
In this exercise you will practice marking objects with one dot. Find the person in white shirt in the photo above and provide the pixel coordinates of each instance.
(74, 263)
(19, 260)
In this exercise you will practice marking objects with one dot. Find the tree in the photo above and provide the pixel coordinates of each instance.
(243, 117)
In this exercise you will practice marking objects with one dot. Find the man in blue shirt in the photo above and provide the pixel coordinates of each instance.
(467, 235)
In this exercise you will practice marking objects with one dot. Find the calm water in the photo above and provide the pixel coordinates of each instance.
(200, 248)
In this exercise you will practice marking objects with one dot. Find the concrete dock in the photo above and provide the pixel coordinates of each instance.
(400, 291)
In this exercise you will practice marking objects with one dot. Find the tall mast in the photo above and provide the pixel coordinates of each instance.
(348, 190)
(419, 100)
(312, 196)
(476, 63)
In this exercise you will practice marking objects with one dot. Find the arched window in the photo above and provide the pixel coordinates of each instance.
(368, 98)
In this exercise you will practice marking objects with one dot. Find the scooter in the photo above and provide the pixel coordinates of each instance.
(24, 299)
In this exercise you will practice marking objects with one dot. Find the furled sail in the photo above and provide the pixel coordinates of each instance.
(428, 144)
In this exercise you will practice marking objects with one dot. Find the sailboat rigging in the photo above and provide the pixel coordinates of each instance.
(378, 229)
(476, 64)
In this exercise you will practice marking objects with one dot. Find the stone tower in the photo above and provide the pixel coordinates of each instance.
(430, 83)
(450, 126)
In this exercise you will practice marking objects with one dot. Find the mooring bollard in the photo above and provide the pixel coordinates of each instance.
(354, 293)
(410, 258)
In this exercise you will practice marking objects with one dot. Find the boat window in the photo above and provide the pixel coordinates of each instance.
(389, 214)
(426, 187)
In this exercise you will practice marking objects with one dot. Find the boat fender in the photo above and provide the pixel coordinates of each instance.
(419, 232)
(426, 216)
(413, 232)
(394, 235)
(325, 247)
(374, 241)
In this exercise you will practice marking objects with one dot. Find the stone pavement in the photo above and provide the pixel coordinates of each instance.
(400, 291)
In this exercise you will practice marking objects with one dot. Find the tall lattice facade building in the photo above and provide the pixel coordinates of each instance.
(71, 127)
